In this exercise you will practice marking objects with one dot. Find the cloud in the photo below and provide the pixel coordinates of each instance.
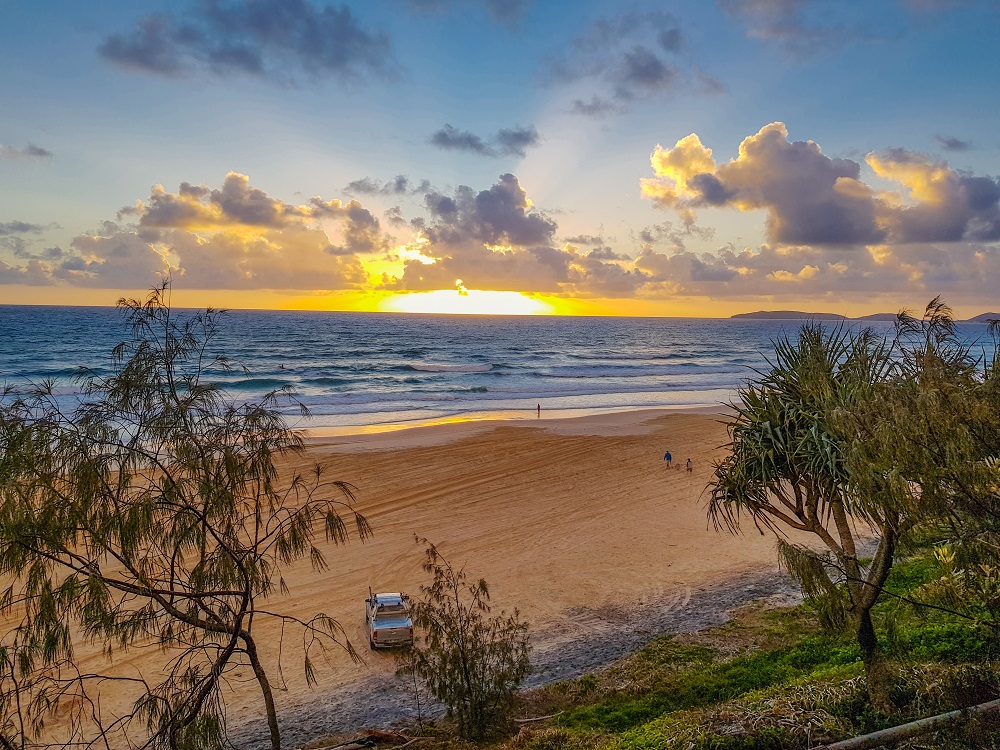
(790, 25)
(506, 142)
(232, 237)
(586, 239)
(950, 143)
(505, 12)
(831, 274)
(398, 185)
(19, 227)
(237, 204)
(665, 233)
(938, 204)
(496, 239)
(283, 41)
(514, 141)
(596, 107)
(452, 139)
(31, 152)
(809, 198)
(628, 57)
(829, 233)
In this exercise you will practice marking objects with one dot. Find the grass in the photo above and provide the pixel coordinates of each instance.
(707, 681)
(769, 679)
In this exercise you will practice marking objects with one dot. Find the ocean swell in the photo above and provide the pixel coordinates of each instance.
(450, 368)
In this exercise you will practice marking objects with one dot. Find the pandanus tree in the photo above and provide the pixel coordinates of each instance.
(789, 471)
(153, 513)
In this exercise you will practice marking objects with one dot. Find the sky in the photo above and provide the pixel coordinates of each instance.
(687, 158)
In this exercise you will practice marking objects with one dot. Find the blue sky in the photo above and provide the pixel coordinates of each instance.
(256, 147)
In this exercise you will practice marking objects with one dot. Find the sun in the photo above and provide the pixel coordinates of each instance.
(463, 301)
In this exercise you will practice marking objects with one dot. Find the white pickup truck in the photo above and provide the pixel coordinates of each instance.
(388, 620)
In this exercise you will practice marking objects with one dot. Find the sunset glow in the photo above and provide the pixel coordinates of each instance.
(701, 159)
(469, 302)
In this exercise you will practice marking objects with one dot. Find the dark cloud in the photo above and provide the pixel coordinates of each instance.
(19, 227)
(17, 246)
(46, 254)
(950, 143)
(643, 70)
(671, 40)
(932, 6)
(824, 273)
(628, 57)
(605, 253)
(398, 185)
(514, 141)
(32, 273)
(713, 191)
(506, 12)
(283, 41)
(596, 107)
(949, 206)
(666, 234)
(453, 139)
(507, 141)
(395, 217)
(30, 151)
(790, 25)
(585, 239)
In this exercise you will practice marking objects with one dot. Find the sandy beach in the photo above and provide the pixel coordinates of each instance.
(576, 522)
(579, 523)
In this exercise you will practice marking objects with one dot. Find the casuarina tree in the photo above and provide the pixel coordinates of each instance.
(471, 659)
(151, 513)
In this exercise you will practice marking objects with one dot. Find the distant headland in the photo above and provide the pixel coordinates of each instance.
(798, 315)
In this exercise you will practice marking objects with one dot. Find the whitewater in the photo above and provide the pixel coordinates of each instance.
(377, 370)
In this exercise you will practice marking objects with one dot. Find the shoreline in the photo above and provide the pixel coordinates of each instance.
(427, 432)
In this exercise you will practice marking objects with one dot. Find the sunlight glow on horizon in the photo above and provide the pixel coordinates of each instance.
(466, 302)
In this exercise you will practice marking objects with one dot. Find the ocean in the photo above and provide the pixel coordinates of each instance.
(364, 371)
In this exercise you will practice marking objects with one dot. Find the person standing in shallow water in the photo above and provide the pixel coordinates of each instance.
(689, 467)
(539, 410)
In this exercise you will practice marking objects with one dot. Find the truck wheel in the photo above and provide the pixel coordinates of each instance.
(371, 644)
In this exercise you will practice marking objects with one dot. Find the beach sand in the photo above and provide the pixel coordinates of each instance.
(576, 522)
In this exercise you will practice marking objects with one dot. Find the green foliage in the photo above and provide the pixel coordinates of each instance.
(792, 467)
(703, 684)
(472, 660)
(152, 514)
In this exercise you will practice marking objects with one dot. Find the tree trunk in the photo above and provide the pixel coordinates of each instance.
(876, 672)
(265, 689)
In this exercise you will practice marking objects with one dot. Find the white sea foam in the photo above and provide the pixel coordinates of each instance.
(371, 368)
(451, 368)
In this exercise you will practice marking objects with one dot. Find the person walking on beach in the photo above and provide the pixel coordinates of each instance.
(539, 410)
(667, 457)
(689, 467)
